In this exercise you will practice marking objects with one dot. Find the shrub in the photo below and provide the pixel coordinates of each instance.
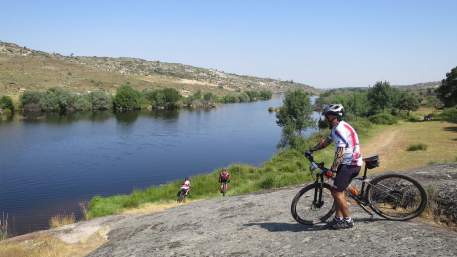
(56, 100)
(265, 94)
(383, 118)
(81, 103)
(209, 97)
(449, 115)
(6, 103)
(127, 99)
(167, 98)
(417, 147)
(243, 98)
(100, 101)
(267, 183)
(30, 101)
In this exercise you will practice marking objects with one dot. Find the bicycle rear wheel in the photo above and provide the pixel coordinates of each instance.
(396, 197)
(306, 210)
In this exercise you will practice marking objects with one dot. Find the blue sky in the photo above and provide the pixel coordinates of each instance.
(321, 43)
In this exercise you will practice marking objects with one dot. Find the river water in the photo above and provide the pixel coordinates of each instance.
(50, 165)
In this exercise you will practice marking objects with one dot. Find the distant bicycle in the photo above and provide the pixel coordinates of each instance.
(392, 196)
(182, 194)
(224, 179)
(184, 190)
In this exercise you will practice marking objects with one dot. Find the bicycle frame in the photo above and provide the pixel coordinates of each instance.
(360, 199)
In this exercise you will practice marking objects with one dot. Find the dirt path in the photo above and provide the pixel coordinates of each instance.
(391, 144)
(261, 225)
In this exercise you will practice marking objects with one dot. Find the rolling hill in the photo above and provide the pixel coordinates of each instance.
(22, 69)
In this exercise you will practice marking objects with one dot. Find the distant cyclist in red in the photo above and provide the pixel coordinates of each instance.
(224, 179)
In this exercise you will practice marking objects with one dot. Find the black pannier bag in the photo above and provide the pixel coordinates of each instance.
(372, 161)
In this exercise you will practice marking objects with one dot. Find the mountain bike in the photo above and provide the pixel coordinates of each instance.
(392, 196)
(224, 187)
(182, 195)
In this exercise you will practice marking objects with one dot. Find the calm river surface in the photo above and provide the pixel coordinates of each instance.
(48, 166)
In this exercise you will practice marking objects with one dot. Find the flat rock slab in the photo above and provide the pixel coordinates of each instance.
(261, 225)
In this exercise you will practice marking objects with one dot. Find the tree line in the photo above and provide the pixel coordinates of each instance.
(380, 104)
(126, 98)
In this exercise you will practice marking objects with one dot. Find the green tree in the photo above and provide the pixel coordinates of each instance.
(381, 96)
(30, 101)
(127, 99)
(6, 103)
(447, 92)
(407, 102)
(295, 112)
(172, 97)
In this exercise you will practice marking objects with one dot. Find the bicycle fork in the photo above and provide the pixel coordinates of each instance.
(318, 192)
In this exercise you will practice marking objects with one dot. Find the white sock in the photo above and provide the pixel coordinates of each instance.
(348, 219)
(338, 218)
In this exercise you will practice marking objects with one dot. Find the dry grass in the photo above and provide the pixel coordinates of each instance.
(392, 141)
(4, 227)
(148, 208)
(62, 220)
(48, 246)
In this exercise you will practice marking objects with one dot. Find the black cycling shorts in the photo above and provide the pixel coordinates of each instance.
(344, 176)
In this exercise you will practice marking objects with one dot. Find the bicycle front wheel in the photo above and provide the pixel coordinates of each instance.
(306, 208)
(396, 197)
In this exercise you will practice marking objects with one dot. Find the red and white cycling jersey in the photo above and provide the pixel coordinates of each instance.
(344, 135)
(186, 185)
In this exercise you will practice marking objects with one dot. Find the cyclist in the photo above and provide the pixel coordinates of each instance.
(185, 186)
(347, 162)
(224, 179)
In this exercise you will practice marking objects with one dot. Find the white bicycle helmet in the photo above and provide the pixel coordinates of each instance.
(335, 109)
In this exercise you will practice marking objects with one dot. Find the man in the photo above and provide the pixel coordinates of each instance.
(347, 162)
(224, 178)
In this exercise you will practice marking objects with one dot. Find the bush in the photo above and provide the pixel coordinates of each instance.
(417, 147)
(243, 98)
(383, 118)
(100, 101)
(265, 94)
(30, 101)
(56, 100)
(81, 103)
(168, 98)
(127, 99)
(449, 115)
(6, 103)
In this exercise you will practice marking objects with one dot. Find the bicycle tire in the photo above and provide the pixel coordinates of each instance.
(397, 197)
(182, 196)
(320, 218)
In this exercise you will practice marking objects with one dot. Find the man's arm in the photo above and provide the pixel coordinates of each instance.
(339, 154)
(322, 144)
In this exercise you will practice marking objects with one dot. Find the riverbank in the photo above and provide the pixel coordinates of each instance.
(288, 167)
(256, 219)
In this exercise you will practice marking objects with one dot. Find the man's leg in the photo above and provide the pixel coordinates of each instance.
(342, 209)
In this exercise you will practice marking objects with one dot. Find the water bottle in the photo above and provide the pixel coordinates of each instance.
(353, 190)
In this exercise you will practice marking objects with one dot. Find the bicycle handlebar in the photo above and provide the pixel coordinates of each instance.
(315, 165)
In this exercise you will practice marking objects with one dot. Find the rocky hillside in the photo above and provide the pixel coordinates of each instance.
(22, 68)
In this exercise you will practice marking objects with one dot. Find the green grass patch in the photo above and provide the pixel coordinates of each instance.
(417, 147)
(287, 167)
